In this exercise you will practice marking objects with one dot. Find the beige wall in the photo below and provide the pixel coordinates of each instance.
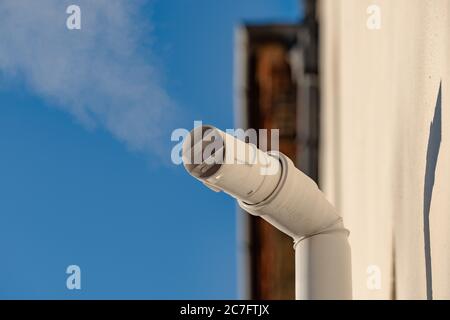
(379, 94)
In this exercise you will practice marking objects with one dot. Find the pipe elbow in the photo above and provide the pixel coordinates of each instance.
(296, 207)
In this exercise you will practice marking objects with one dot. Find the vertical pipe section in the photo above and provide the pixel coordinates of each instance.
(323, 266)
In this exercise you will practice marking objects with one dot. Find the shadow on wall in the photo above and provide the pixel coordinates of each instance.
(434, 144)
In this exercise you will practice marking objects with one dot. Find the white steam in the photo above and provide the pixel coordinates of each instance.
(101, 74)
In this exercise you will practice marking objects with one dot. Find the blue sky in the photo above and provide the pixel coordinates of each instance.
(138, 226)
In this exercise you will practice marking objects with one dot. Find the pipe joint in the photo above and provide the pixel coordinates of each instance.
(296, 207)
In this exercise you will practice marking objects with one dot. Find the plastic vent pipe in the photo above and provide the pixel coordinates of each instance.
(268, 185)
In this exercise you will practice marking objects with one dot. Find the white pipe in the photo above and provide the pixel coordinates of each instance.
(322, 266)
(270, 186)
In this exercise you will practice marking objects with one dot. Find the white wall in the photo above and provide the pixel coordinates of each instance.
(380, 90)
